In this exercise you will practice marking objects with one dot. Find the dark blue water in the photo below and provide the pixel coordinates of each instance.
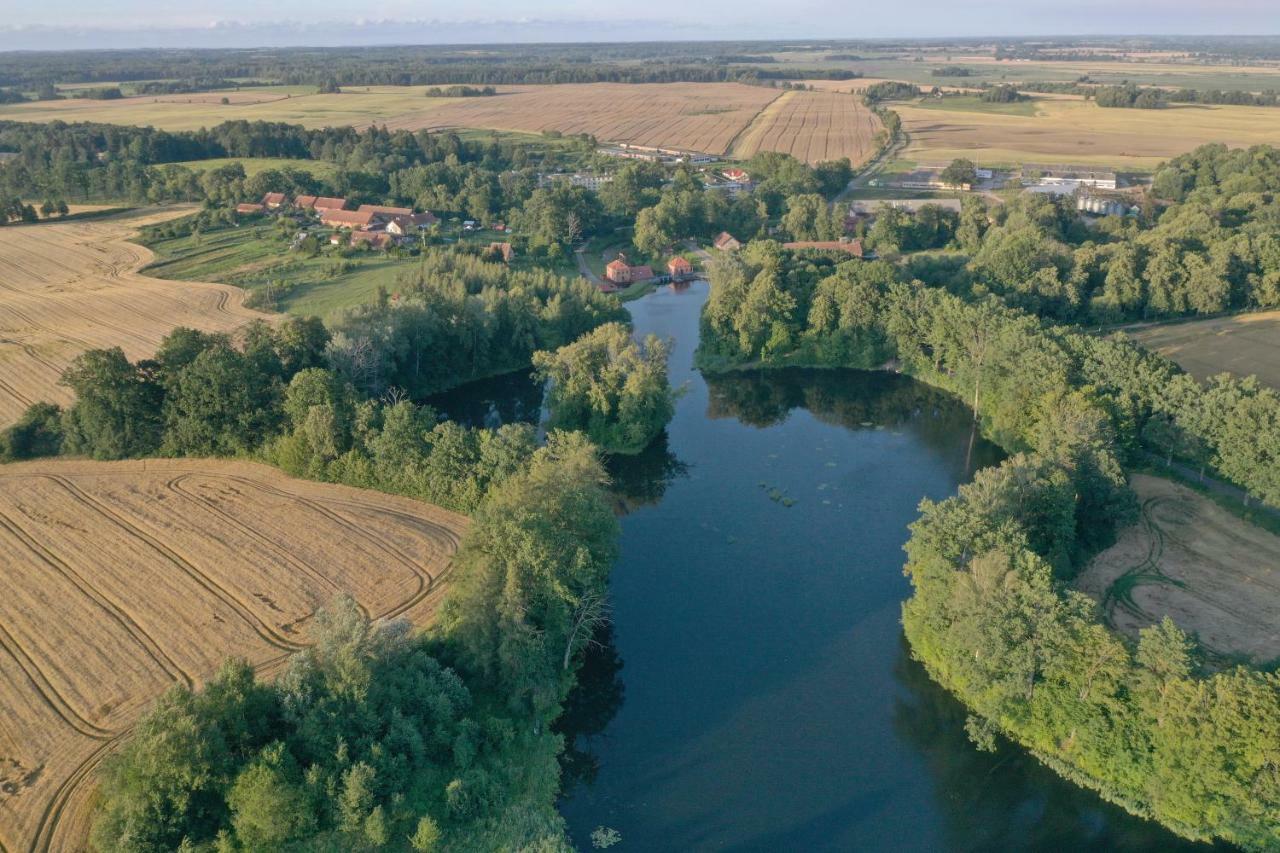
(756, 692)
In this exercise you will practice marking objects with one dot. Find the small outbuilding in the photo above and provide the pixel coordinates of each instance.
(726, 242)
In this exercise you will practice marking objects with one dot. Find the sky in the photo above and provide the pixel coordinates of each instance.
(55, 24)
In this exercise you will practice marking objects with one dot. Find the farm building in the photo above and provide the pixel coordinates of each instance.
(385, 211)
(1069, 178)
(679, 267)
(1101, 206)
(250, 209)
(319, 203)
(348, 218)
(619, 271)
(726, 242)
(273, 201)
(586, 180)
(851, 247)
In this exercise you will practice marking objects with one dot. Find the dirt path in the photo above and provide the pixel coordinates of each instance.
(1187, 558)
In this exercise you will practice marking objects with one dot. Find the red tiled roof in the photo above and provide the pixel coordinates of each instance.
(249, 208)
(314, 202)
(273, 199)
(724, 238)
(377, 239)
(347, 218)
(678, 265)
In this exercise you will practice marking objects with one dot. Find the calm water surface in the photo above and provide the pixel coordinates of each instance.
(756, 692)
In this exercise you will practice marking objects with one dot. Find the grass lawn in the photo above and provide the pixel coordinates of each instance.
(252, 256)
(975, 104)
(253, 165)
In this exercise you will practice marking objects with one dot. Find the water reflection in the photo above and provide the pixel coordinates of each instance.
(643, 478)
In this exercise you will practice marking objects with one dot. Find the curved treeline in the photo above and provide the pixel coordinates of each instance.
(991, 617)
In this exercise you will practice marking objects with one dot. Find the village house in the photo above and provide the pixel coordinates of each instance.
(850, 247)
(403, 226)
(319, 203)
(619, 271)
(250, 209)
(273, 201)
(679, 268)
(726, 242)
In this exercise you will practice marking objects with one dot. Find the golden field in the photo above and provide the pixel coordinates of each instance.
(813, 126)
(1242, 344)
(1075, 131)
(707, 117)
(122, 579)
(68, 287)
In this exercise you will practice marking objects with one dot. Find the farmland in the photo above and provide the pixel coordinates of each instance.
(1189, 559)
(1073, 130)
(813, 126)
(709, 117)
(1243, 344)
(693, 116)
(69, 287)
(124, 578)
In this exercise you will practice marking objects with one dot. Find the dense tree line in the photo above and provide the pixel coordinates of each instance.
(990, 617)
(1130, 96)
(460, 318)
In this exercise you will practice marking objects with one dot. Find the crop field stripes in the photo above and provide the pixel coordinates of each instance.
(102, 577)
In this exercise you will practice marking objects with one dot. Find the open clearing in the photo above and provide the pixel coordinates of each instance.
(1193, 561)
(1065, 130)
(69, 287)
(813, 126)
(1243, 344)
(123, 578)
(706, 117)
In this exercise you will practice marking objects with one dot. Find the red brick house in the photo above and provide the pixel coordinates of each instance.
(619, 271)
(678, 267)
(273, 201)
(250, 209)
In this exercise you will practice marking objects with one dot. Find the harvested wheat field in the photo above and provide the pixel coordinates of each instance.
(691, 116)
(1187, 558)
(1243, 344)
(813, 126)
(68, 287)
(121, 579)
(1077, 131)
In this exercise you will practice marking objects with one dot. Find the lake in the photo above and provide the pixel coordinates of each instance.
(756, 691)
